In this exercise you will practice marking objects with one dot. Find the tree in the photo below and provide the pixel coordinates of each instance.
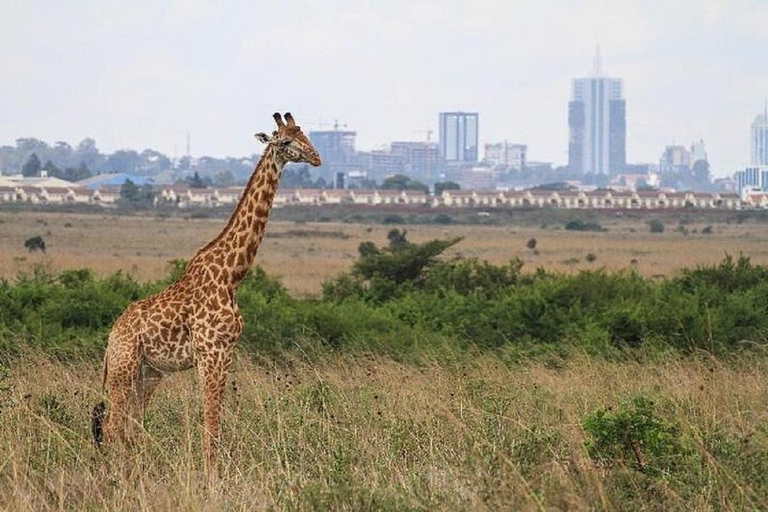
(656, 226)
(124, 160)
(31, 145)
(52, 170)
(88, 153)
(81, 173)
(196, 181)
(32, 167)
(397, 239)
(129, 192)
(403, 182)
(224, 179)
(445, 185)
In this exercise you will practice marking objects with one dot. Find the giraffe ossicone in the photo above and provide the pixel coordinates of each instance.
(195, 322)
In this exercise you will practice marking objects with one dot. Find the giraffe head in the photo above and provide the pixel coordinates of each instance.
(289, 142)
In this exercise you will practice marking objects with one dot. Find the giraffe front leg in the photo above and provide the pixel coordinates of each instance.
(213, 368)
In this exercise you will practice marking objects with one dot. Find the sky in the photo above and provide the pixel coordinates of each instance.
(144, 74)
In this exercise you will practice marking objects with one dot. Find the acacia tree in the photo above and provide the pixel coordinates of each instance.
(446, 185)
(32, 167)
(403, 182)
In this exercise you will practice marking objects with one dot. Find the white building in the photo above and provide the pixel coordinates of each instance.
(751, 180)
(506, 154)
(759, 140)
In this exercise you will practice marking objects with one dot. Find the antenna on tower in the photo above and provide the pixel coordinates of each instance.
(598, 64)
(189, 145)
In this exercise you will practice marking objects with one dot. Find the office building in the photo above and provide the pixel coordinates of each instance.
(459, 136)
(421, 160)
(506, 154)
(759, 139)
(597, 124)
(337, 151)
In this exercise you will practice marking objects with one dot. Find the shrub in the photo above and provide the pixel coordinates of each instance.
(392, 219)
(590, 257)
(580, 225)
(656, 226)
(635, 435)
(531, 244)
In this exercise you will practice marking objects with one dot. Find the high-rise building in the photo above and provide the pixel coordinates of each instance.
(675, 159)
(459, 136)
(421, 159)
(698, 152)
(337, 150)
(506, 154)
(597, 124)
(751, 179)
(760, 139)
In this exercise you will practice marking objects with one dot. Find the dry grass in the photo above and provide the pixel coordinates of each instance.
(305, 255)
(371, 433)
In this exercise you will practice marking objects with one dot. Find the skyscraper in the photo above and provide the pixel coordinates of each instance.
(337, 148)
(760, 139)
(597, 124)
(458, 136)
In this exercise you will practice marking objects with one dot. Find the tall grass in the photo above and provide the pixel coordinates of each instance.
(370, 433)
(451, 384)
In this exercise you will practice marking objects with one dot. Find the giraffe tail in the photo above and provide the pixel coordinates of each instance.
(97, 422)
(99, 411)
(104, 375)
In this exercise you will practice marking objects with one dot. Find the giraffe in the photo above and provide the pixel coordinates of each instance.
(195, 321)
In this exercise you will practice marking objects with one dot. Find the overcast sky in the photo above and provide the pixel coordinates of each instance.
(143, 73)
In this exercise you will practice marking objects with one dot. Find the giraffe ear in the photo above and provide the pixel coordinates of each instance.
(263, 137)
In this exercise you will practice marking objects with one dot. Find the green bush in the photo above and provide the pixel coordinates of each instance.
(580, 225)
(656, 226)
(636, 436)
(405, 296)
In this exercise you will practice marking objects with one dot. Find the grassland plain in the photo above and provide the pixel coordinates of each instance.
(370, 433)
(305, 254)
(581, 391)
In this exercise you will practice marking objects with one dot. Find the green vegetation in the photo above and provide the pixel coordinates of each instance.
(413, 382)
(402, 299)
(580, 225)
(403, 182)
(656, 226)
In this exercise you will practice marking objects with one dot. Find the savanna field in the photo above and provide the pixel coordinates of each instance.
(601, 366)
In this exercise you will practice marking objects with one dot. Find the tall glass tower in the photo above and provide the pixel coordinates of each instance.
(597, 123)
(458, 136)
(760, 139)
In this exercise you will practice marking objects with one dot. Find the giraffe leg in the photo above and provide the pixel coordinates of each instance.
(150, 379)
(123, 382)
(213, 369)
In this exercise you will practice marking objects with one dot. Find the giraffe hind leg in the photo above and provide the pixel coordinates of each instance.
(123, 380)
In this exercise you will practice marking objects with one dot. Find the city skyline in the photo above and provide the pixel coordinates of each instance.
(145, 75)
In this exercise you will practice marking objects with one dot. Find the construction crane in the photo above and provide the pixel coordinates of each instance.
(323, 125)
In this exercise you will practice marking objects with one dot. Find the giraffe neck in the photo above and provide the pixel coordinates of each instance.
(230, 255)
